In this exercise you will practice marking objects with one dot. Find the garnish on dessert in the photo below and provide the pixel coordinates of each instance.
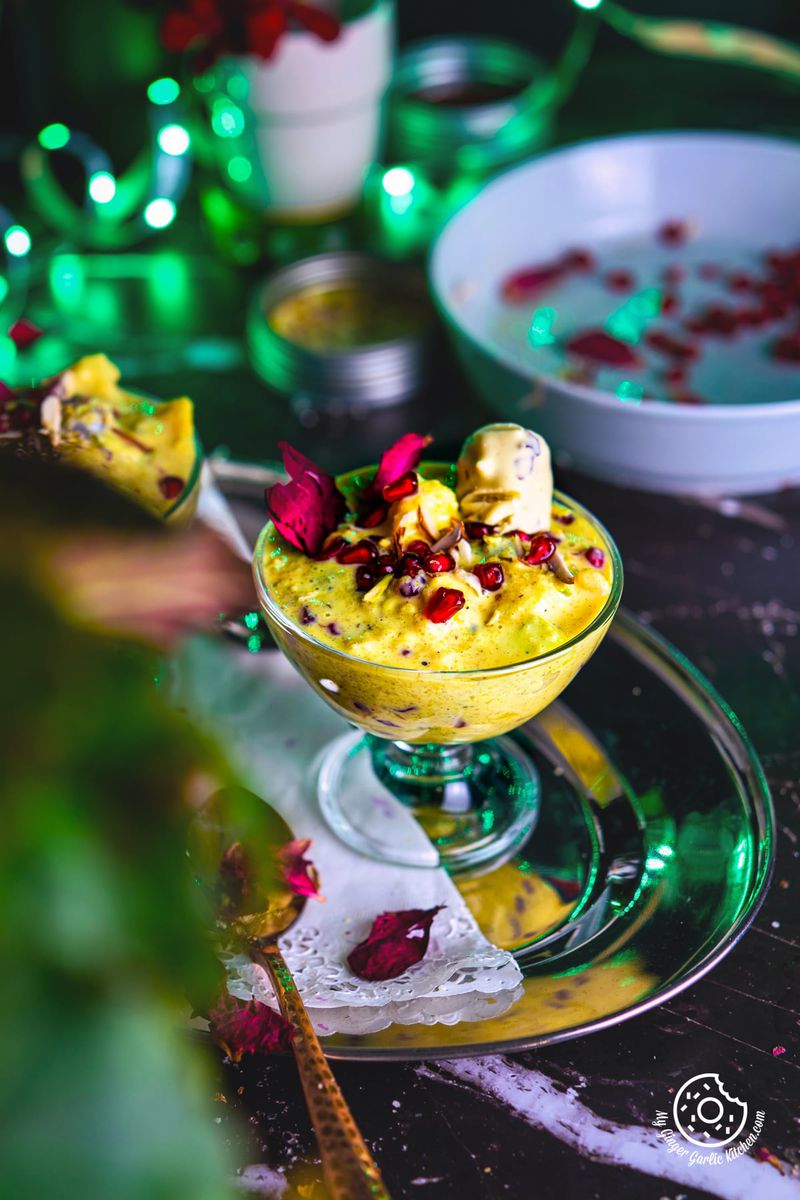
(426, 566)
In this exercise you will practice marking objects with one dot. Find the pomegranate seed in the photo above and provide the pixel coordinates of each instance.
(365, 579)
(406, 485)
(619, 281)
(522, 535)
(599, 346)
(375, 518)
(408, 564)
(595, 557)
(436, 563)
(418, 547)
(542, 547)
(565, 518)
(490, 575)
(359, 552)
(171, 486)
(719, 320)
(673, 233)
(579, 260)
(475, 530)
(384, 565)
(524, 284)
(331, 549)
(444, 604)
(669, 304)
(673, 273)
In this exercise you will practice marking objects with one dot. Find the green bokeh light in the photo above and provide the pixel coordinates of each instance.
(102, 187)
(541, 329)
(590, 4)
(54, 137)
(18, 241)
(164, 91)
(227, 119)
(630, 392)
(160, 213)
(3, 288)
(174, 140)
(240, 169)
(398, 181)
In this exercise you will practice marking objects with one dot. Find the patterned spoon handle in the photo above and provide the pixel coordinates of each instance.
(350, 1170)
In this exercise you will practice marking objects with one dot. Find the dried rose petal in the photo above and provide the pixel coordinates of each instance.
(249, 1027)
(406, 485)
(299, 873)
(671, 347)
(619, 281)
(523, 285)
(579, 259)
(787, 348)
(396, 942)
(674, 233)
(308, 508)
(444, 604)
(542, 547)
(400, 458)
(601, 347)
(331, 548)
(490, 575)
(316, 20)
(24, 333)
(171, 486)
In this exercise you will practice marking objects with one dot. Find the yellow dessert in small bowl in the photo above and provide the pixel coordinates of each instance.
(145, 447)
(442, 610)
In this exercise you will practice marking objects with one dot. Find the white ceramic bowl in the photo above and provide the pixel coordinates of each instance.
(736, 188)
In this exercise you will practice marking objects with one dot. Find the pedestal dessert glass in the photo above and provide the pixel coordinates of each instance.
(435, 739)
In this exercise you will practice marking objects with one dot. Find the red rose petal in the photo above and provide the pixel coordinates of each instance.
(402, 457)
(601, 347)
(24, 333)
(396, 942)
(444, 604)
(523, 285)
(265, 28)
(248, 1028)
(579, 259)
(619, 281)
(316, 21)
(299, 873)
(307, 509)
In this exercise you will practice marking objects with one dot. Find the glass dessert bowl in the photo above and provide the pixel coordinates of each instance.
(435, 738)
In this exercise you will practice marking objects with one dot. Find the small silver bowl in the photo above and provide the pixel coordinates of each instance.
(468, 104)
(370, 374)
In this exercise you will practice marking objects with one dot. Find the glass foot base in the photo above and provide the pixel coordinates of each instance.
(473, 804)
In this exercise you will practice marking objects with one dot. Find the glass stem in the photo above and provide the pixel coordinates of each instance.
(428, 775)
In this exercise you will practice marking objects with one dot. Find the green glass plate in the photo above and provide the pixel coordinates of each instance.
(650, 858)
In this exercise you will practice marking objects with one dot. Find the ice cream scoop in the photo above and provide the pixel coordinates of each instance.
(505, 479)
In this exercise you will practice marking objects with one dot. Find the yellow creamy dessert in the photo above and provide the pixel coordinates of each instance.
(447, 604)
(145, 447)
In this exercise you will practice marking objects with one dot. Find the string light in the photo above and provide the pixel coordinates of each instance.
(164, 91)
(18, 241)
(117, 211)
(160, 212)
(174, 140)
(102, 187)
(54, 137)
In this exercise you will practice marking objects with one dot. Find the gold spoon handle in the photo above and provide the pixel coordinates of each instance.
(350, 1170)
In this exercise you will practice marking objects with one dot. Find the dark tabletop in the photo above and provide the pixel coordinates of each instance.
(726, 590)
